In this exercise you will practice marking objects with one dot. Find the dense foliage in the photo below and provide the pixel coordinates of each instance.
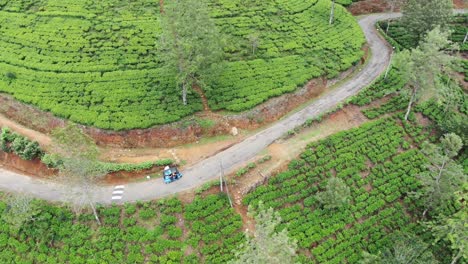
(404, 39)
(153, 232)
(99, 63)
(379, 162)
(21, 146)
(421, 17)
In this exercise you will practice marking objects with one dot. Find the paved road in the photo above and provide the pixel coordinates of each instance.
(231, 158)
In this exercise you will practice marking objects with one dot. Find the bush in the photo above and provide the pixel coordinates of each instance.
(146, 214)
(21, 146)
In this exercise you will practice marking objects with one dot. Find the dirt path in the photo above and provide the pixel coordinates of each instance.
(43, 139)
(189, 154)
(236, 155)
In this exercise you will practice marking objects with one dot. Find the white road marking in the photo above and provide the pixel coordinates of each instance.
(117, 194)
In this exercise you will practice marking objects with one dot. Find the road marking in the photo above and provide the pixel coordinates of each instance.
(117, 194)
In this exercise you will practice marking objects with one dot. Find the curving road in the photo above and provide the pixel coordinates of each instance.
(238, 154)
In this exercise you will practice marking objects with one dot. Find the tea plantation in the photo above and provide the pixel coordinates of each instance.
(98, 62)
(167, 231)
(378, 161)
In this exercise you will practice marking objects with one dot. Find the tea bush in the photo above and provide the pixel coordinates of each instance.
(378, 164)
(129, 234)
(97, 62)
(21, 146)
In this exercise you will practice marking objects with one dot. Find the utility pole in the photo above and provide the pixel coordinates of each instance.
(221, 176)
(221, 182)
(390, 63)
(466, 37)
(332, 12)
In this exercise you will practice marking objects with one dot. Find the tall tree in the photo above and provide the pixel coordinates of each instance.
(454, 229)
(20, 210)
(404, 249)
(254, 40)
(423, 66)
(332, 13)
(266, 245)
(444, 176)
(336, 194)
(79, 169)
(190, 41)
(422, 16)
(393, 4)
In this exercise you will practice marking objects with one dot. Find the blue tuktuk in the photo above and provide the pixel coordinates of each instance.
(171, 174)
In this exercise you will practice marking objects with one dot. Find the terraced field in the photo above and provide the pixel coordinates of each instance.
(167, 231)
(97, 63)
(378, 162)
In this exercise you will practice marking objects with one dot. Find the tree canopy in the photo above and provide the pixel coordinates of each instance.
(336, 194)
(79, 170)
(423, 66)
(444, 176)
(190, 40)
(266, 245)
(422, 16)
(405, 249)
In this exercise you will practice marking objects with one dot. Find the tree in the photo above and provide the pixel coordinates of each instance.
(79, 169)
(455, 123)
(190, 41)
(336, 194)
(422, 16)
(444, 176)
(332, 13)
(405, 249)
(20, 210)
(423, 66)
(266, 245)
(254, 41)
(393, 4)
(454, 229)
(368, 258)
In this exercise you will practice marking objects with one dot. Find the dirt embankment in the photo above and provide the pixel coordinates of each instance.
(31, 167)
(461, 4)
(37, 169)
(369, 6)
(379, 6)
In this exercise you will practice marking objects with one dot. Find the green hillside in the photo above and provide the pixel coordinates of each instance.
(97, 63)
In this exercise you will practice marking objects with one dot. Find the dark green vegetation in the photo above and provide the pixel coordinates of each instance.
(403, 39)
(378, 161)
(21, 146)
(152, 232)
(97, 63)
(447, 105)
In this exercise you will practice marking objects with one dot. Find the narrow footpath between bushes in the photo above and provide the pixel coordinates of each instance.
(234, 156)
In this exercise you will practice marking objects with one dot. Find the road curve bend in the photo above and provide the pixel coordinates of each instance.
(233, 157)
